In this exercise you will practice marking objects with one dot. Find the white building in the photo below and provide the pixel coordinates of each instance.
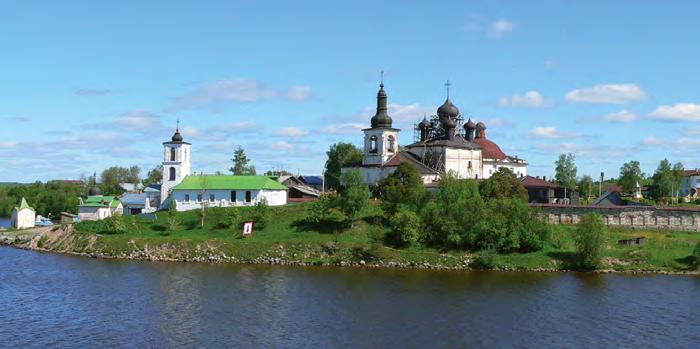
(227, 191)
(98, 206)
(177, 163)
(690, 186)
(23, 216)
(445, 144)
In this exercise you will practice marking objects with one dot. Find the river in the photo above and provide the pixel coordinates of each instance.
(5, 222)
(51, 300)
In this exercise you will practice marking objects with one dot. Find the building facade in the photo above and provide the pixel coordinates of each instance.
(177, 163)
(443, 143)
(194, 192)
(23, 216)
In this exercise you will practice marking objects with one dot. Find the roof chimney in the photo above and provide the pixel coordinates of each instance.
(544, 178)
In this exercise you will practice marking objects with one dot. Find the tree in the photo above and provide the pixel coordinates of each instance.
(667, 179)
(589, 240)
(585, 186)
(203, 188)
(677, 175)
(630, 174)
(134, 176)
(405, 225)
(340, 155)
(155, 175)
(566, 171)
(318, 210)
(355, 195)
(403, 187)
(241, 163)
(503, 184)
(277, 173)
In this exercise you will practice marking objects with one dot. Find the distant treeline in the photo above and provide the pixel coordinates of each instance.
(52, 197)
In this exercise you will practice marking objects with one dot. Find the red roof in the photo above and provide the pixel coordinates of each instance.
(695, 172)
(532, 182)
(490, 149)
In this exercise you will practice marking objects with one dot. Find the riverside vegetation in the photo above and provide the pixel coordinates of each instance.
(463, 225)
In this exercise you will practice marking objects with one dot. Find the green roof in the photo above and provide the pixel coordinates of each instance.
(100, 201)
(229, 183)
(23, 204)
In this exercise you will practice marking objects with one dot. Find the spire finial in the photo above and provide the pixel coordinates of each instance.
(381, 74)
(447, 86)
(177, 128)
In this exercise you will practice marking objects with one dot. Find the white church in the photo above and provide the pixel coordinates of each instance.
(442, 143)
(186, 191)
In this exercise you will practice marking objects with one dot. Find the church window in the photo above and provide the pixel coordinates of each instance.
(392, 143)
(187, 197)
(172, 173)
(233, 196)
(248, 197)
(373, 144)
(172, 154)
(212, 198)
(199, 197)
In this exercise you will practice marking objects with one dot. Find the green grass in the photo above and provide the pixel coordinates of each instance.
(287, 237)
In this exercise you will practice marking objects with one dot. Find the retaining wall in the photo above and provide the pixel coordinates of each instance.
(643, 217)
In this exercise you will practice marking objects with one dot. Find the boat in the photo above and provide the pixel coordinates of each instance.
(42, 221)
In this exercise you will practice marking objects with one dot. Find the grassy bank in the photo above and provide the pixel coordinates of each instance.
(287, 239)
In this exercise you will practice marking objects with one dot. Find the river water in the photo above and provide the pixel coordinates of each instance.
(50, 300)
(5, 222)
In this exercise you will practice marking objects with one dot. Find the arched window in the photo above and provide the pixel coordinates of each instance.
(373, 144)
(172, 174)
(172, 154)
(392, 144)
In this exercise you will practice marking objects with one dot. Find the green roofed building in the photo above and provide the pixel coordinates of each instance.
(224, 191)
(97, 207)
(23, 216)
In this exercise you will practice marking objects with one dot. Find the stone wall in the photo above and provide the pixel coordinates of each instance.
(642, 217)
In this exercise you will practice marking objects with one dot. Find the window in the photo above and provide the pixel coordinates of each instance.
(172, 154)
(373, 144)
(172, 173)
(392, 143)
(248, 197)
(187, 197)
(233, 196)
(199, 197)
(212, 198)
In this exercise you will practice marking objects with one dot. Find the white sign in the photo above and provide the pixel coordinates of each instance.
(247, 229)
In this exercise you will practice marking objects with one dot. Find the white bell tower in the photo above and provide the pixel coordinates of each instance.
(177, 163)
(381, 140)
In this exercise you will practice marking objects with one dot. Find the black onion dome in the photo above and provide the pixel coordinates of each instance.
(94, 191)
(425, 124)
(469, 125)
(448, 109)
(480, 126)
(381, 118)
(177, 137)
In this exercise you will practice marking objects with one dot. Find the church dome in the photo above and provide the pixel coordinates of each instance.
(94, 191)
(469, 125)
(480, 126)
(490, 150)
(177, 137)
(425, 124)
(448, 109)
(381, 118)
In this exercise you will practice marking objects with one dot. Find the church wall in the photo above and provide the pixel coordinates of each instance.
(383, 153)
(491, 166)
(93, 213)
(24, 218)
(222, 198)
(465, 162)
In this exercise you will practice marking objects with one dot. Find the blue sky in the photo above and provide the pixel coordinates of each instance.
(85, 86)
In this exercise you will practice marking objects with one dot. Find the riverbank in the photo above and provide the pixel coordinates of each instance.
(286, 240)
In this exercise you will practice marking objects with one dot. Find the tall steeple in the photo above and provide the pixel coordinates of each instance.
(381, 118)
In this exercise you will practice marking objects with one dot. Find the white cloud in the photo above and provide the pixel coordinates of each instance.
(346, 128)
(532, 99)
(8, 145)
(282, 146)
(291, 132)
(688, 141)
(298, 93)
(653, 140)
(408, 112)
(501, 27)
(138, 120)
(546, 132)
(694, 131)
(214, 93)
(607, 94)
(677, 112)
(621, 116)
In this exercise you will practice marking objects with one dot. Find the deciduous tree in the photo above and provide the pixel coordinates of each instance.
(339, 155)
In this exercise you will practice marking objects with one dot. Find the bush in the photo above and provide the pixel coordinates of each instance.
(696, 255)
(484, 262)
(116, 225)
(589, 240)
(259, 215)
(405, 225)
(318, 210)
(231, 218)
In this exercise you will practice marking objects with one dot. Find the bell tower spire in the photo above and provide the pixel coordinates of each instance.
(381, 118)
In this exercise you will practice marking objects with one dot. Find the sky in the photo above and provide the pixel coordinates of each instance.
(86, 85)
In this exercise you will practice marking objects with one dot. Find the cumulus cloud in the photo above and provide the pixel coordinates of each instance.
(653, 140)
(17, 119)
(621, 116)
(291, 132)
(677, 112)
(494, 29)
(501, 27)
(343, 129)
(546, 132)
(531, 99)
(138, 120)
(216, 93)
(607, 94)
(298, 93)
(86, 92)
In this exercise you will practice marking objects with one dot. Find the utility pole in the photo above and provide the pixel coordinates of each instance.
(600, 184)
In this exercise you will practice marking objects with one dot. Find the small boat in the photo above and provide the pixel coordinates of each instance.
(42, 222)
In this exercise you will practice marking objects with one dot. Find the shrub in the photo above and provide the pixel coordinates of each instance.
(405, 225)
(259, 214)
(589, 240)
(231, 218)
(318, 210)
(116, 225)
(696, 255)
(485, 261)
